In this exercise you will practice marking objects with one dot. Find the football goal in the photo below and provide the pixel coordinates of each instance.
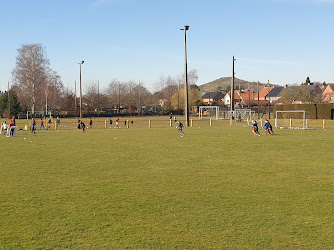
(13, 131)
(208, 109)
(294, 119)
(241, 114)
(38, 114)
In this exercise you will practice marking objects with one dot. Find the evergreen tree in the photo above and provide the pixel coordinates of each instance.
(4, 104)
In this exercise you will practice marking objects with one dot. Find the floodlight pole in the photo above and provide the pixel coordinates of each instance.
(98, 98)
(8, 102)
(232, 88)
(186, 106)
(75, 98)
(269, 99)
(82, 62)
(258, 100)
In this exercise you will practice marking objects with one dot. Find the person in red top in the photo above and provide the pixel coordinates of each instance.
(42, 124)
(117, 122)
(11, 128)
(13, 120)
(90, 123)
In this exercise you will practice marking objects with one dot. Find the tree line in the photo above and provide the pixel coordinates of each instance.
(37, 87)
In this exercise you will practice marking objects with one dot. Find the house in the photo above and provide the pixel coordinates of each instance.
(210, 97)
(264, 92)
(241, 98)
(328, 94)
(274, 94)
(162, 102)
(227, 98)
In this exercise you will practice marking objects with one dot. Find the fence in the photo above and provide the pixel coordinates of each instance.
(164, 122)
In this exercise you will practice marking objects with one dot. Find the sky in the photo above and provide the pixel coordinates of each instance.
(283, 41)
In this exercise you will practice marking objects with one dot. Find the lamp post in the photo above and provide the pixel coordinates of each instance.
(269, 99)
(186, 108)
(75, 99)
(80, 63)
(8, 102)
(232, 89)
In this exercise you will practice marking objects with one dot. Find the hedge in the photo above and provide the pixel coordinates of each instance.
(313, 110)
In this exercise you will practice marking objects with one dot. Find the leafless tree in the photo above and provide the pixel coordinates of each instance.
(36, 81)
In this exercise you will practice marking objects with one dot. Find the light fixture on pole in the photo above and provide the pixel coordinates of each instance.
(82, 62)
(186, 108)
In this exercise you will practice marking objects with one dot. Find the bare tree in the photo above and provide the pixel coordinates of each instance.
(36, 81)
(67, 103)
(91, 96)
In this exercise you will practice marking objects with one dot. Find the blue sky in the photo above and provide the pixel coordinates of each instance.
(283, 41)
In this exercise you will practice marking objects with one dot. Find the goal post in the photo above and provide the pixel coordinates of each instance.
(289, 117)
(37, 114)
(241, 113)
(201, 108)
(12, 131)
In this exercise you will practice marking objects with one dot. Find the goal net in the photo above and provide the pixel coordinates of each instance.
(241, 114)
(37, 114)
(293, 119)
(12, 131)
(208, 111)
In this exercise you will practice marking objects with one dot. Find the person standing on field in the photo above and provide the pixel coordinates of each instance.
(90, 123)
(49, 123)
(33, 126)
(117, 122)
(41, 124)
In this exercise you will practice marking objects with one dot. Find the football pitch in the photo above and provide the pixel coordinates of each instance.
(215, 187)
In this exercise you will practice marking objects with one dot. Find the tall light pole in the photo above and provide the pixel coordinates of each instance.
(258, 100)
(75, 98)
(82, 62)
(8, 102)
(232, 88)
(186, 108)
(269, 99)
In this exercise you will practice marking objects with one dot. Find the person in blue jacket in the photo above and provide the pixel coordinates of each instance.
(255, 128)
(270, 128)
(266, 127)
(181, 128)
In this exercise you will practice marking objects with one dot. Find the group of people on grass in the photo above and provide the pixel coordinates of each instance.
(41, 126)
(268, 128)
(8, 128)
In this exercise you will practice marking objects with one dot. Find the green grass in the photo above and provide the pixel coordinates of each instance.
(217, 187)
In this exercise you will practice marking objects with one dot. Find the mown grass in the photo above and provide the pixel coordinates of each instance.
(216, 187)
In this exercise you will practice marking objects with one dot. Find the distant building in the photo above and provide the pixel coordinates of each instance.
(264, 93)
(210, 97)
(275, 94)
(162, 102)
(241, 98)
(328, 94)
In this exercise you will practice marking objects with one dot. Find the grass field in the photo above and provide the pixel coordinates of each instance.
(216, 187)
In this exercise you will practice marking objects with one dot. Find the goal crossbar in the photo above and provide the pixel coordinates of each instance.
(200, 113)
(291, 111)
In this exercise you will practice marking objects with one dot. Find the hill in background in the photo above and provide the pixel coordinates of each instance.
(224, 83)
